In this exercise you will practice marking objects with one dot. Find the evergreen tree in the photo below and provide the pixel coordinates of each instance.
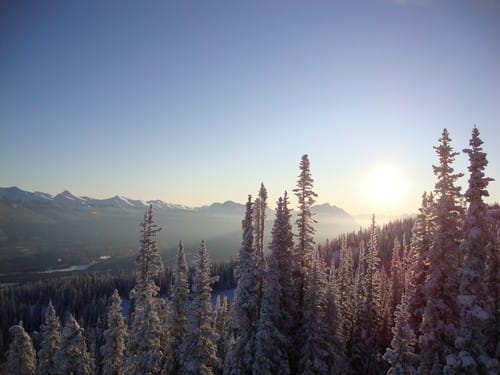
(344, 290)
(318, 354)
(200, 356)
(222, 324)
(474, 356)
(420, 244)
(304, 253)
(144, 349)
(441, 313)
(401, 356)
(21, 358)
(305, 217)
(396, 278)
(179, 313)
(51, 339)
(73, 357)
(273, 341)
(113, 351)
(364, 349)
(259, 218)
(241, 354)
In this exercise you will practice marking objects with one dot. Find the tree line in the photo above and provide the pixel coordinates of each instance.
(419, 296)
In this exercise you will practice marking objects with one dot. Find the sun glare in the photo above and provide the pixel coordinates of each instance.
(385, 186)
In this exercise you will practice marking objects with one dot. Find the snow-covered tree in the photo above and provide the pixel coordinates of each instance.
(420, 244)
(178, 313)
(318, 354)
(144, 351)
(305, 246)
(113, 351)
(343, 287)
(200, 355)
(303, 253)
(21, 357)
(73, 356)
(222, 324)
(397, 270)
(273, 336)
(441, 314)
(401, 355)
(259, 218)
(363, 353)
(50, 340)
(474, 356)
(241, 354)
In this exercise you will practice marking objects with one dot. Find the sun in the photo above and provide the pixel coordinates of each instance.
(385, 185)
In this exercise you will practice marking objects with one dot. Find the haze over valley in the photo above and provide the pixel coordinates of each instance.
(40, 232)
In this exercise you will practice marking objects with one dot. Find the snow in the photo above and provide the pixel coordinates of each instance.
(80, 267)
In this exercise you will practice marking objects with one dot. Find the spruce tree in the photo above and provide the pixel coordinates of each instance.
(305, 218)
(241, 354)
(259, 213)
(344, 289)
(21, 357)
(200, 355)
(474, 354)
(113, 351)
(178, 318)
(51, 339)
(401, 355)
(441, 314)
(420, 244)
(363, 353)
(273, 338)
(317, 354)
(73, 356)
(304, 253)
(144, 349)
(222, 324)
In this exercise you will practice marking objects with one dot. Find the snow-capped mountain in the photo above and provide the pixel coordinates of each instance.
(66, 198)
(15, 194)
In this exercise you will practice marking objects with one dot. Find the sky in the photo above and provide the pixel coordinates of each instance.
(194, 102)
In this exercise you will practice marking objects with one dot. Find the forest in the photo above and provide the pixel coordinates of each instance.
(415, 296)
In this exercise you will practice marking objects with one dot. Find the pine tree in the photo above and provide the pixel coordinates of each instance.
(305, 217)
(200, 355)
(241, 354)
(178, 318)
(73, 356)
(476, 309)
(273, 340)
(51, 339)
(396, 278)
(401, 356)
(144, 349)
(222, 324)
(21, 358)
(259, 218)
(304, 253)
(343, 287)
(364, 349)
(441, 313)
(420, 244)
(318, 354)
(113, 351)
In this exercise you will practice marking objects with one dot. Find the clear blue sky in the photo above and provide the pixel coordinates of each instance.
(199, 101)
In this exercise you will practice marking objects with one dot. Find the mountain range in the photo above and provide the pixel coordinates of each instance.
(39, 231)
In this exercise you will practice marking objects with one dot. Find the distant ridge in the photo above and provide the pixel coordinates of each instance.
(37, 229)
